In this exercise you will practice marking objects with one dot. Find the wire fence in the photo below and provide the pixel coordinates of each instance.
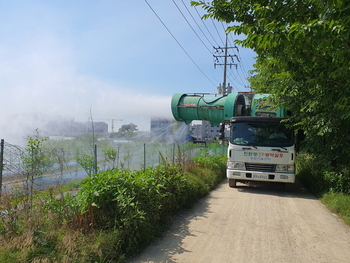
(65, 166)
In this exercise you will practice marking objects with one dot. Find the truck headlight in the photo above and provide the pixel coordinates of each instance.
(236, 165)
(284, 168)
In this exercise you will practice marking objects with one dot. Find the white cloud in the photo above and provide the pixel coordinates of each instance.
(40, 82)
(62, 59)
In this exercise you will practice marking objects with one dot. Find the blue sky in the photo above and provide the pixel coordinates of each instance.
(113, 59)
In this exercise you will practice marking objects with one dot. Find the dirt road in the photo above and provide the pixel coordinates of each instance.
(257, 223)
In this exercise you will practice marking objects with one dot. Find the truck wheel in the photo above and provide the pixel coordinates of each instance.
(232, 182)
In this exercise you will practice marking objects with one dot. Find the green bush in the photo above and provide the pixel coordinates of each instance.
(139, 203)
(338, 203)
(114, 214)
(321, 177)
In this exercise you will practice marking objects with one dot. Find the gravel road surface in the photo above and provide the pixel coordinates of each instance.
(254, 223)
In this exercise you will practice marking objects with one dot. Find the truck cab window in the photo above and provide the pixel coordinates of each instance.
(261, 134)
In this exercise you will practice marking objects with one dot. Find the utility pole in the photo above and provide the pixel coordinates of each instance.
(225, 65)
(224, 89)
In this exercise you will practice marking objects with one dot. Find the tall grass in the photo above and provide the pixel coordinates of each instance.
(321, 177)
(331, 184)
(112, 215)
(338, 203)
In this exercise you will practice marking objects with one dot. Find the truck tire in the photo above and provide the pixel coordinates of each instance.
(232, 183)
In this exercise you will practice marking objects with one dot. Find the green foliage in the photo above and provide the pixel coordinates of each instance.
(138, 203)
(86, 161)
(128, 128)
(9, 256)
(127, 131)
(110, 155)
(134, 201)
(61, 204)
(338, 203)
(126, 159)
(84, 141)
(12, 223)
(217, 163)
(36, 160)
(60, 157)
(303, 56)
(320, 177)
(44, 246)
(114, 214)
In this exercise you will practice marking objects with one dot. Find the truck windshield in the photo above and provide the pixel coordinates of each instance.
(261, 134)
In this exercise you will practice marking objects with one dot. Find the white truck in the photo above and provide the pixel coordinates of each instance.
(260, 149)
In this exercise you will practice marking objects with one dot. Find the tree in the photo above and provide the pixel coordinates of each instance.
(86, 161)
(110, 155)
(36, 160)
(303, 59)
(126, 131)
(128, 128)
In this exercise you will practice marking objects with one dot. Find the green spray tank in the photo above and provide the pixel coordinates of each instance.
(260, 106)
(189, 107)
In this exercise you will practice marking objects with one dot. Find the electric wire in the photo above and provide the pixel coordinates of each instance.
(196, 22)
(239, 55)
(243, 79)
(217, 31)
(190, 25)
(223, 27)
(178, 42)
(243, 70)
(234, 80)
(206, 26)
(198, 25)
(238, 80)
(237, 76)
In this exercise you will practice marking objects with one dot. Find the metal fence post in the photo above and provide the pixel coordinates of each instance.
(144, 156)
(95, 159)
(1, 164)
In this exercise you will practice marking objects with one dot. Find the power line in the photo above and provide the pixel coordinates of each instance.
(224, 89)
(241, 64)
(206, 27)
(223, 27)
(196, 22)
(235, 75)
(190, 25)
(244, 70)
(177, 41)
(243, 79)
(217, 31)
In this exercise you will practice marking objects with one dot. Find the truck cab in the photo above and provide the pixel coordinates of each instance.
(260, 149)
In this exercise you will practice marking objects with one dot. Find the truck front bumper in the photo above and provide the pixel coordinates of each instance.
(241, 175)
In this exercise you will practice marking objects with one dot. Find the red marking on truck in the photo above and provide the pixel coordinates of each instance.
(267, 155)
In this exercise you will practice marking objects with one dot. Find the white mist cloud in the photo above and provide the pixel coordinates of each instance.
(39, 82)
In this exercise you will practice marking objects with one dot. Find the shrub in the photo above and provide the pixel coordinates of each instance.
(320, 177)
(338, 203)
(114, 214)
